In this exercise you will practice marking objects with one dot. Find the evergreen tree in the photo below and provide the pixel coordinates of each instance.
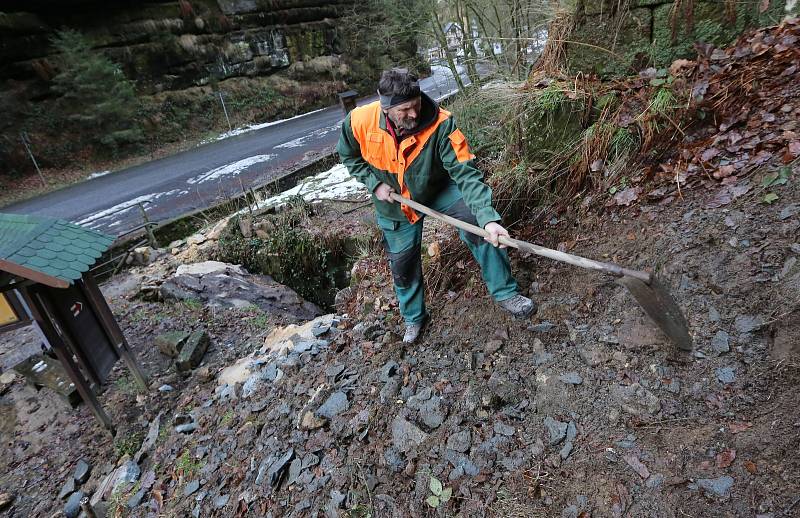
(95, 94)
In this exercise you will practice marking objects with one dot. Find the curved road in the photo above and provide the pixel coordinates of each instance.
(201, 177)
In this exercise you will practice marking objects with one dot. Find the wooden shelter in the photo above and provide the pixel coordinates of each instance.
(45, 279)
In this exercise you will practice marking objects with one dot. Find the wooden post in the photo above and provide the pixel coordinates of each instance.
(43, 315)
(115, 335)
(150, 235)
(26, 143)
(224, 109)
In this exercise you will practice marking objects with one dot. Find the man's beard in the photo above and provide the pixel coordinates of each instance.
(404, 124)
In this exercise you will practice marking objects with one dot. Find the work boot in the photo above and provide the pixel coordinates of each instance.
(519, 306)
(414, 332)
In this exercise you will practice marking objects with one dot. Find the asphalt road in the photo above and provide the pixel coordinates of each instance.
(202, 177)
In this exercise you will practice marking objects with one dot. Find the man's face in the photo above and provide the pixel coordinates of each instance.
(405, 116)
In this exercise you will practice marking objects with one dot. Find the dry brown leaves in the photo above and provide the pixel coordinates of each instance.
(750, 93)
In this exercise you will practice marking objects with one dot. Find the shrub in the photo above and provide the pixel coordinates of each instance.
(95, 95)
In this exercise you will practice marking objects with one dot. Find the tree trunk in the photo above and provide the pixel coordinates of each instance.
(485, 36)
(441, 37)
(467, 42)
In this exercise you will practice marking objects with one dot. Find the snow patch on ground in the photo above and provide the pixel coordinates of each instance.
(92, 220)
(333, 184)
(98, 174)
(314, 135)
(254, 127)
(230, 169)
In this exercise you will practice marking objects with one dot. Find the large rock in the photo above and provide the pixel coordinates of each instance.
(283, 342)
(73, 506)
(406, 435)
(556, 430)
(170, 45)
(635, 399)
(334, 405)
(193, 351)
(720, 486)
(231, 286)
(170, 344)
(125, 477)
(82, 471)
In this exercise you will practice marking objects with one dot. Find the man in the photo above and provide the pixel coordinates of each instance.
(406, 143)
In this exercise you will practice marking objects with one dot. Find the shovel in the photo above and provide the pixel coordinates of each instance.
(651, 295)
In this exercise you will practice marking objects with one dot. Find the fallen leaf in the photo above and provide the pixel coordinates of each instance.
(722, 198)
(794, 148)
(709, 154)
(158, 497)
(677, 65)
(750, 466)
(637, 466)
(699, 90)
(434, 250)
(627, 196)
(724, 171)
(739, 427)
(725, 458)
(740, 189)
(770, 198)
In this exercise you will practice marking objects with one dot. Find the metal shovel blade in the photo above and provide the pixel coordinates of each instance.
(661, 307)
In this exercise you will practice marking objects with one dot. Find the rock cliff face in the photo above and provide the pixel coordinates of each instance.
(169, 45)
(641, 33)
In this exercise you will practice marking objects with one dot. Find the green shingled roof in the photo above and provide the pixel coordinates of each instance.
(53, 247)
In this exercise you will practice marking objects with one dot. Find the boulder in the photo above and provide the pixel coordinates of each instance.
(82, 471)
(225, 285)
(406, 435)
(170, 344)
(193, 351)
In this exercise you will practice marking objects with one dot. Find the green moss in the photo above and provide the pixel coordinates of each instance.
(551, 123)
(675, 39)
(603, 45)
(128, 444)
(308, 43)
(313, 265)
(189, 466)
(635, 45)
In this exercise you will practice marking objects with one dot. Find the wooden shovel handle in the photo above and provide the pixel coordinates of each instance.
(609, 268)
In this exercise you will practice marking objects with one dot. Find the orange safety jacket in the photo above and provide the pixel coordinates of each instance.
(419, 166)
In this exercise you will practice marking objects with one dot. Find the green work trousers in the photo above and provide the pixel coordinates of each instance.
(403, 243)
